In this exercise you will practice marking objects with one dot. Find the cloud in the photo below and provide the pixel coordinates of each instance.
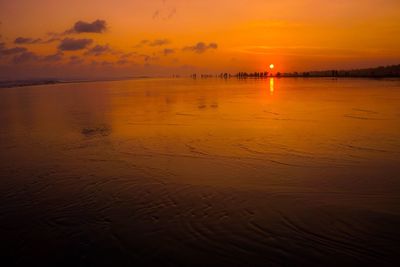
(25, 57)
(11, 51)
(213, 45)
(23, 40)
(99, 50)
(103, 63)
(53, 58)
(53, 37)
(156, 42)
(51, 40)
(127, 55)
(123, 62)
(70, 44)
(107, 63)
(200, 47)
(168, 51)
(97, 26)
(141, 43)
(150, 58)
(75, 60)
(159, 42)
(165, 12)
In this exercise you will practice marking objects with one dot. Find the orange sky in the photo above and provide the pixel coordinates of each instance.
(157, 37)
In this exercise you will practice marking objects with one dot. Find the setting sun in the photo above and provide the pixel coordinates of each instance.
(271, 66)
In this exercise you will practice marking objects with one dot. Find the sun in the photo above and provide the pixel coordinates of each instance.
(271, 66)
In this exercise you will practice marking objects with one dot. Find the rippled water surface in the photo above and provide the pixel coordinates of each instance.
(194, 172)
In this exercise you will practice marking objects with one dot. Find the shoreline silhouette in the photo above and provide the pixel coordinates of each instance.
(392, 71)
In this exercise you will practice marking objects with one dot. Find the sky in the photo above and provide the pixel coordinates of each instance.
(74, 39)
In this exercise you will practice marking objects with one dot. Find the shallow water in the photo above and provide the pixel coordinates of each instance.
(195, 172)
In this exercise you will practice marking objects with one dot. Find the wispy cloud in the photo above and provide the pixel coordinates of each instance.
(168, 51)
(70, 44)
(25, 57)
(159, 42)
(23, 40)
(200, 47)
(99, 50)
(152, 43)
(52, 37)
(20, 55)
(75, 60)
(165, 12)
(10, 51)
(150, 58)
(53, 58)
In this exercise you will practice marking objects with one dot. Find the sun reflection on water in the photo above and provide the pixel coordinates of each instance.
(271, 86)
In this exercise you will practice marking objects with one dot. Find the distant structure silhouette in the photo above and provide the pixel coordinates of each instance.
(378, 72)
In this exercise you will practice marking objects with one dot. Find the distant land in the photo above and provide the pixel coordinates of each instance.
(46, 81)
(392, 71)
(20, 83)
(377, 72)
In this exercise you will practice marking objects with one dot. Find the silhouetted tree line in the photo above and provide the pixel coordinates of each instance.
(379, 72)
(244, 75)
(205, 76)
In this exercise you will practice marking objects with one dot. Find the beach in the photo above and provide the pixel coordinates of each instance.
(179, 172)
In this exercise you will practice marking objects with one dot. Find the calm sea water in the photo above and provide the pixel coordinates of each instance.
(194, 172)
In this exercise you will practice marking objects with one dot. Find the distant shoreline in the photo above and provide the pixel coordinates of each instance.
(381, 72)
(26, 83)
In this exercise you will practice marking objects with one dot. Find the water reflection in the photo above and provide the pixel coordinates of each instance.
(121, 164)
(271, 86)
(101, 130)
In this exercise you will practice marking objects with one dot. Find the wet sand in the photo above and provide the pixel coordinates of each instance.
(201, 172)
